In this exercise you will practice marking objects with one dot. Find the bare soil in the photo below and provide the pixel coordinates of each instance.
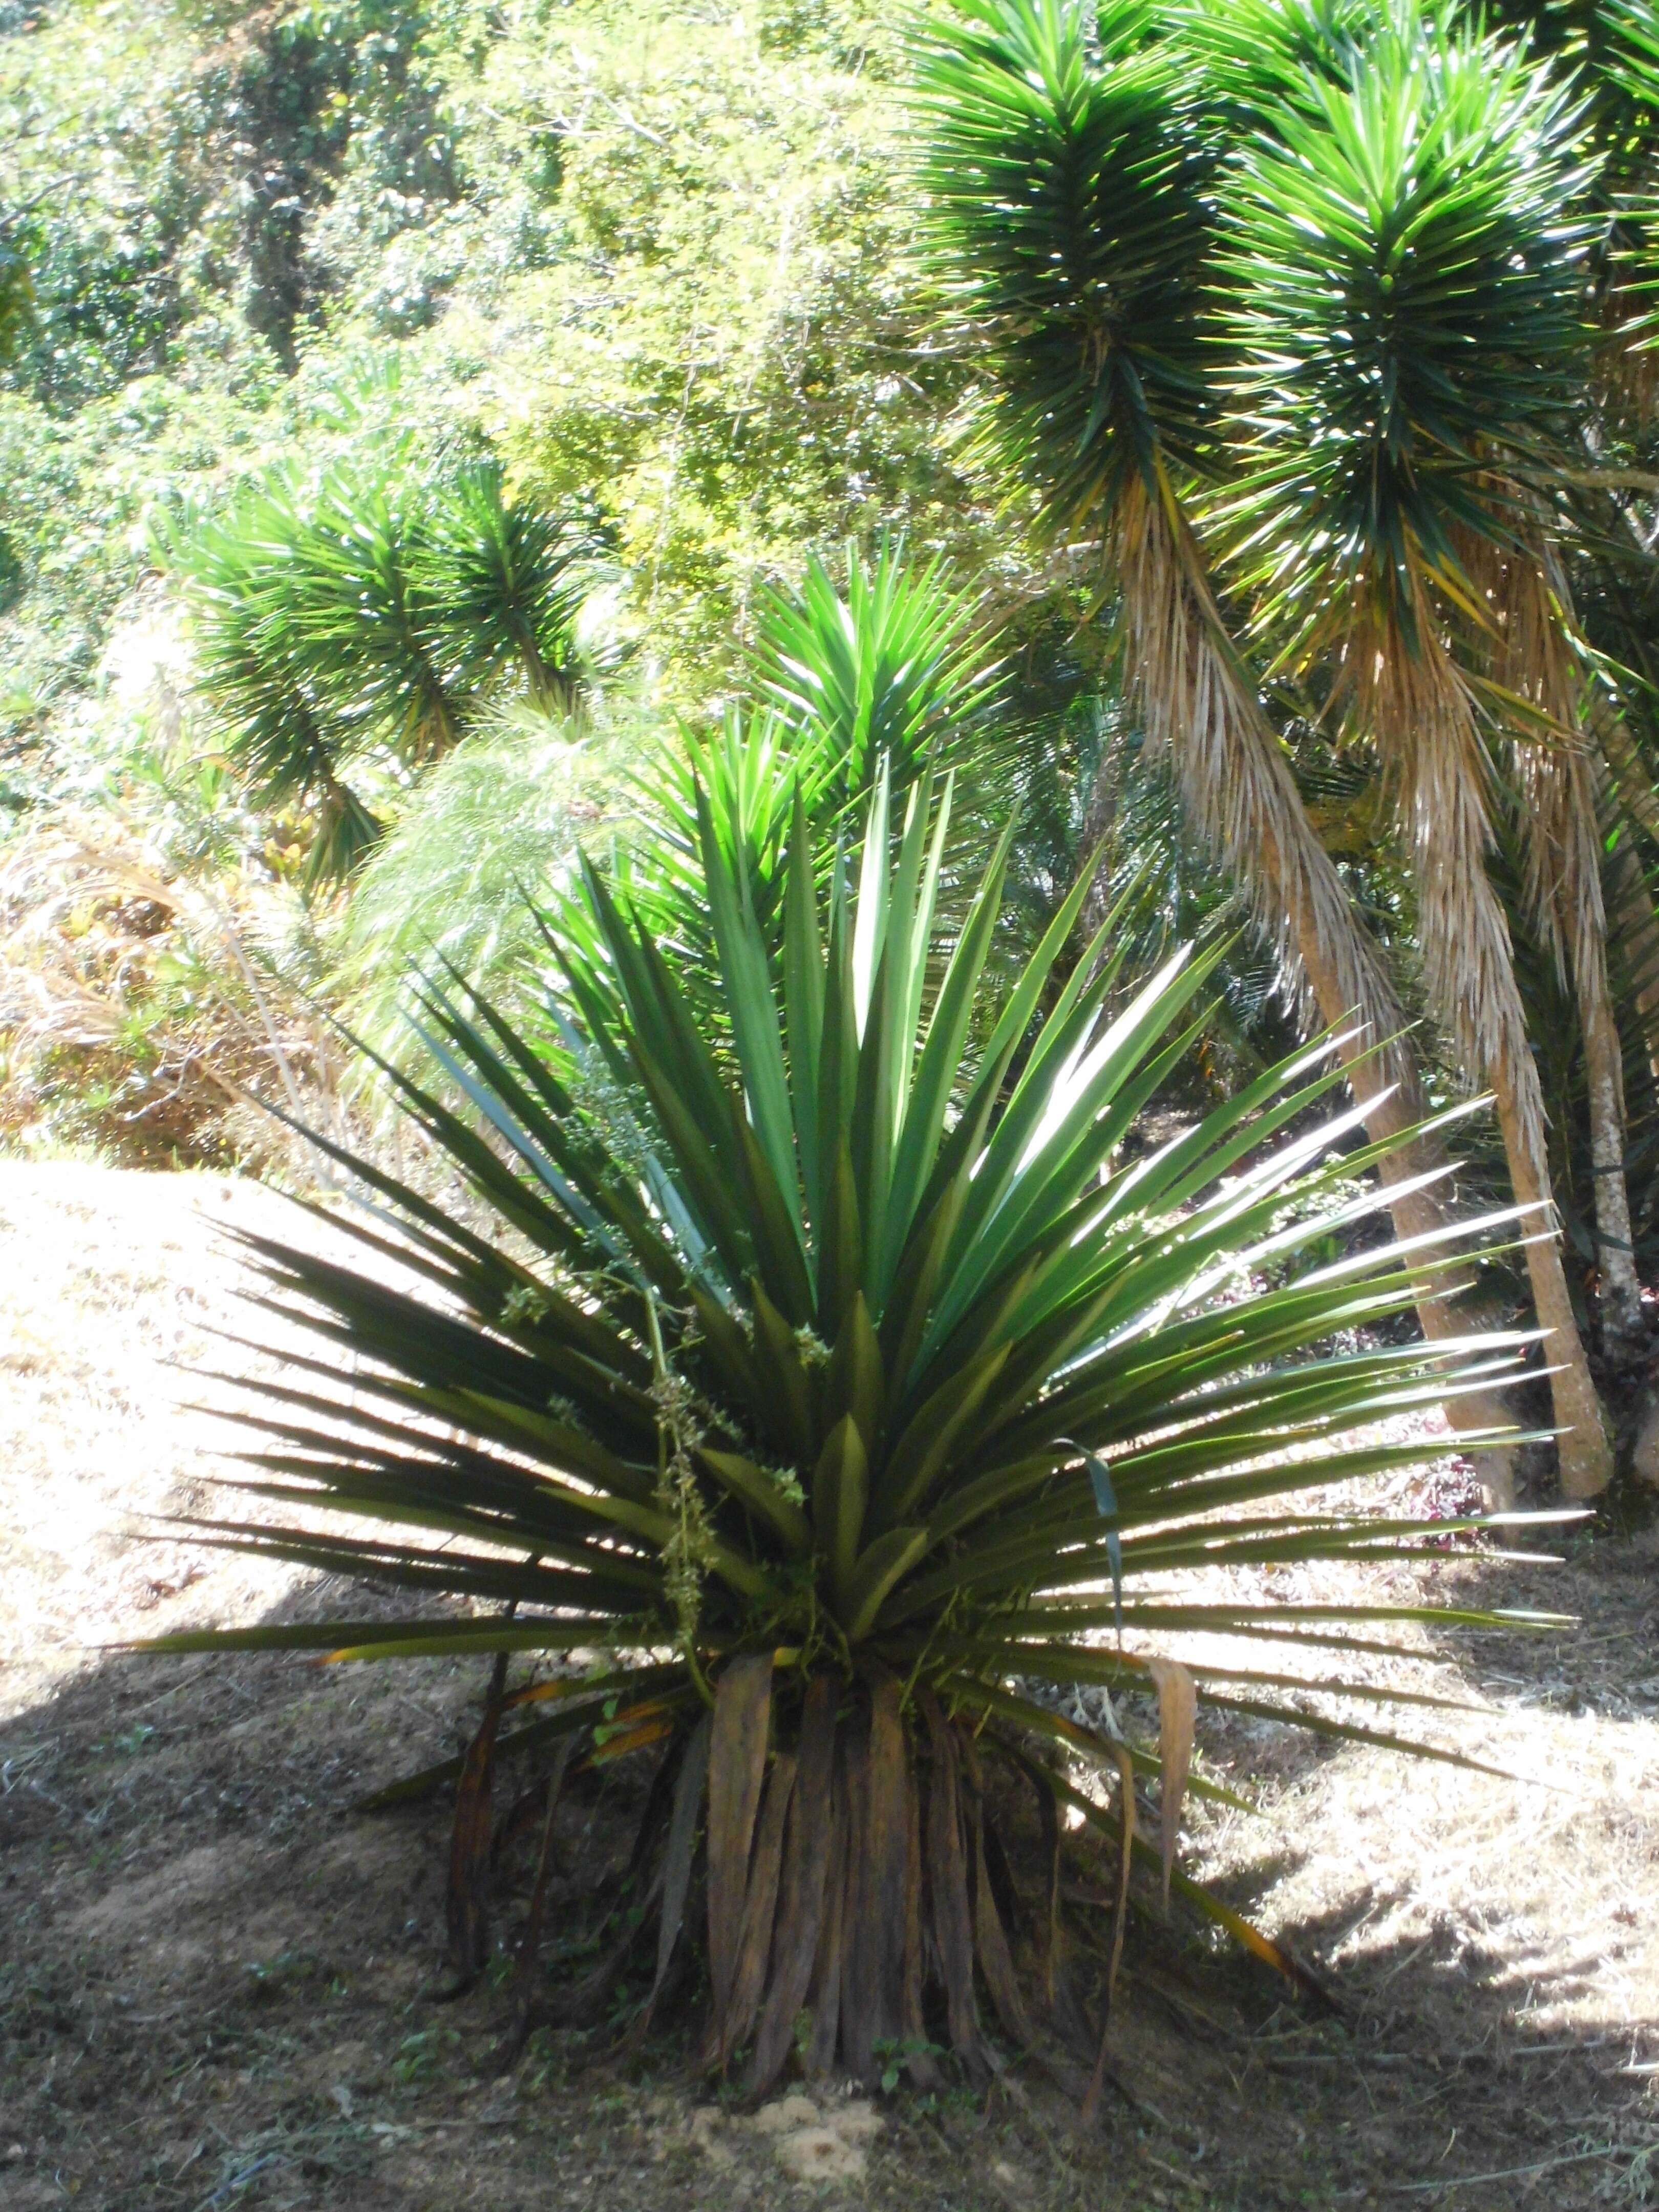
(220, 1986)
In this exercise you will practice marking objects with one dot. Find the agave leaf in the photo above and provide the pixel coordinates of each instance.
(759, 1493)
(841, 1493)
(876, 1571)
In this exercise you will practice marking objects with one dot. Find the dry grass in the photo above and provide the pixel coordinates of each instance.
(215, 1981)
(114, 1282)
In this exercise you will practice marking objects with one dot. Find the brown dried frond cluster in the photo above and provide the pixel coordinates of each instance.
(1202, 708)
(133, 999)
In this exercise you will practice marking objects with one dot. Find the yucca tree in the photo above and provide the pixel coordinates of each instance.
(1559, 173)
(1611, 48)
(365, 614)
(280, 733)
(1310, 283)
(1069, 162)
(836, 1390)
(1407, 307)
(501, 580)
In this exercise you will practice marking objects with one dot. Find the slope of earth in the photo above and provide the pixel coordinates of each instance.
(220, 1987)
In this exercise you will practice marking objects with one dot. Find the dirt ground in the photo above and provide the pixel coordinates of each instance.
(218, 1983)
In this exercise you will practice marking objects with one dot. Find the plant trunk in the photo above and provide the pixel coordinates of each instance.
(1096, 820)
(1427, 720)
(1634, 922)
(1235, 782)
(1564, 802)
(1633, 917)
(1622, 1328)
(1563, 848)
(1586, 1457)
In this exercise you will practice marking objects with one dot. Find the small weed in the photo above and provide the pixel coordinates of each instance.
(420, 2056)
(544, 2062)
(963, 2102)
(896, 2054)
(127, 1745)
(272, 1978)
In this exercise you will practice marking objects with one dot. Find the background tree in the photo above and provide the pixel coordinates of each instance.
(371, 611)
(1309, 289)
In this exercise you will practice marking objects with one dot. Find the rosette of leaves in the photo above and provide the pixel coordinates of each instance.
(891, 667)
(1405, 255)
(365, 616)
(895, 671)
(840, 1392)
(503, 581)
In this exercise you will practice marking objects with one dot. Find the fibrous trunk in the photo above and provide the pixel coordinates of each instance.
(1200, 707)
(1564, 850)
(1632, 918)
(1560, 816)
(1426, 720)
(859, 1905)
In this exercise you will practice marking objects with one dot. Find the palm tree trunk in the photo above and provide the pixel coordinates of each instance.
(1390, 1110)
(1199, 705)
(1622, 1327)
(1427, 720)
(1633, 917)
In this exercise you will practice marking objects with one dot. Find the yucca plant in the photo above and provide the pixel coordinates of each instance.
(1405, 303)
(895, 666)
(280, 730)
(837, 1400)
(503, 580)
(365, 615)
(1308, 282)
(1069, 156)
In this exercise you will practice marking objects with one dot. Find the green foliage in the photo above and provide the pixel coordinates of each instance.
(831, 1356)
(1260, 55)
(198, 174)
(368, 611)
(501, 579)
(17, 285)
(1406, 306)
(894, 673)
(965, 1308)
(1066, 168)
(894, 668)
(720, 340)
(495, 821)
(538, 257)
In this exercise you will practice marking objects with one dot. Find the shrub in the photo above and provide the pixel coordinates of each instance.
(841, 1387)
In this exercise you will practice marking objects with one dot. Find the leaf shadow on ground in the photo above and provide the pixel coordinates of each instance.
(218, 1984)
